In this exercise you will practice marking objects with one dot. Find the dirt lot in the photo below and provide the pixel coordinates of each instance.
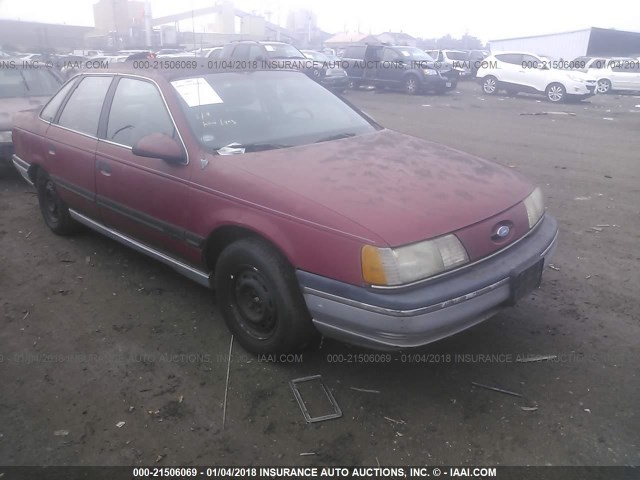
(93, 334)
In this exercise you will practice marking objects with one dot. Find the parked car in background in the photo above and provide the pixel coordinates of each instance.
(476, 60)
(170, 52)
(615, 74)
(456, 59)
(212, 53)
(275, 54)
(406, 68)
(22, 89)
(336, 77)
(517, 72)
(304, 214)
(32, 57)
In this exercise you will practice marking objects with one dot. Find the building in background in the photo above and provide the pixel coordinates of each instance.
(569, 45)
(40, 37)
(118, 24)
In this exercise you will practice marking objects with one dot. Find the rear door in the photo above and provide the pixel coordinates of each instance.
(71, 143)
(144, 198)
(510, 69)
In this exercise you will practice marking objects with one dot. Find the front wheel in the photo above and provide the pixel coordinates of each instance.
(260, 299)
(556, 93)
(54, 211)
(411, 85)
(604, 86)
(490, 85)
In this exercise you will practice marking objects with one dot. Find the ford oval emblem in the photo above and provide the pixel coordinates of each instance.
(503, 231)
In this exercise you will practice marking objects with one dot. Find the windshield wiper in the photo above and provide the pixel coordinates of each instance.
(238, 148)
(336, 137)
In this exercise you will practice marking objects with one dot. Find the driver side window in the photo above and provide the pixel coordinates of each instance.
(137, 110)
(389, 55)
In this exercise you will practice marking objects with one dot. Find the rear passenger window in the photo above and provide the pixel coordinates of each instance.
(82, 111)
(513, 58)
(50, 110)
(137, 110)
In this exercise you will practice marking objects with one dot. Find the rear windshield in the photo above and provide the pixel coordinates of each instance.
(18, 82)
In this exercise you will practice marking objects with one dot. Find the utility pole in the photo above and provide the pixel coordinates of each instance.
(147, 22)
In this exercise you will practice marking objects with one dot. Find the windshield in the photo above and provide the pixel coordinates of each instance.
(415, 54)
(275, 108)
(317, 56)
(282, 50)
(27, 83)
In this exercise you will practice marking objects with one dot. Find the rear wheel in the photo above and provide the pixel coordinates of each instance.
(604, 86)
(54, 211)
(556, 93)
(490, 85)
(260, 299)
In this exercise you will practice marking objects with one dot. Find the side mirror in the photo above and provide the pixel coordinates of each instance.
(159, 145)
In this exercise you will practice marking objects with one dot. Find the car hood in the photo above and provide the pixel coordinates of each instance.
(10, 106)
(400, 188)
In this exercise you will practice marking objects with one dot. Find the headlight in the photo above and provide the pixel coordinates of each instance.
(429, 71)
(402, 265)
(5, 136)
(535, 207)
(576, 78)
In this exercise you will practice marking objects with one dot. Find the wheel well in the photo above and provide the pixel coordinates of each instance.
(555, 83)
(224, 236)
(32, 172)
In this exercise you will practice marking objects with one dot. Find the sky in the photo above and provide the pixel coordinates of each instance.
(503, 18)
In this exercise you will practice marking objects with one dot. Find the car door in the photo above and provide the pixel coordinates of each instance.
(144, 198)
(534, 73)
(623, 75)
(389, 71)
(509, 69)
(634, 76)
(71, 143)
(353, 60)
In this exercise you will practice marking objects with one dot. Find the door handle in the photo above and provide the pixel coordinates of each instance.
(104, 168)
(52, 151)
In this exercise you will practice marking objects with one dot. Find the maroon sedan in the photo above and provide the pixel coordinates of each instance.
(301, 212)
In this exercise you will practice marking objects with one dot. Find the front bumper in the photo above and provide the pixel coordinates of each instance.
(424, 313)
(435, 83)
(581, 89)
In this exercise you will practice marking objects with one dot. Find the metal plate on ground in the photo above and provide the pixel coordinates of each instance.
(337, 413)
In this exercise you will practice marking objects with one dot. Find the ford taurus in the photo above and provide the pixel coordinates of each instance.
(302, 213)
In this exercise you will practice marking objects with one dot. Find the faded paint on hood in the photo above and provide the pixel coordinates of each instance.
(10, 106)
(403, 189)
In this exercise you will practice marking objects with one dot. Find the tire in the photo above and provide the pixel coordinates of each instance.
(54, 211)
(556, 93)
(490, 85)
(603, 86)
(354, 84)
(411, 85)
(260, 300)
